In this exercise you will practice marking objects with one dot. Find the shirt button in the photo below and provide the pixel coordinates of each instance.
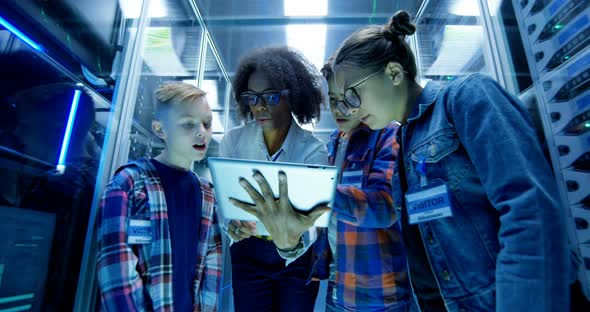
(446, 275)
(432, 150)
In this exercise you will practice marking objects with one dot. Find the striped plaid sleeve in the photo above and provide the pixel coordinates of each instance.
(121, 287)
(211, 289)
(372, 206)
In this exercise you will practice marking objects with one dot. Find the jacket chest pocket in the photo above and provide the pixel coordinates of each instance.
(442, 158)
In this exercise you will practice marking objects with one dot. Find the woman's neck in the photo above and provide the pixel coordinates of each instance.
(414, 91)
(274, 138)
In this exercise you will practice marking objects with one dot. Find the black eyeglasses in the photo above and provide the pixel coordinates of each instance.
(351, 96)
(269, 98)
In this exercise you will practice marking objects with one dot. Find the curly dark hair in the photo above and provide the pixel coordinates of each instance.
(286, 68)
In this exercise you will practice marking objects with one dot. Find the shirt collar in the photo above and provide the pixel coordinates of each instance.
(362, 128)
(292, 138)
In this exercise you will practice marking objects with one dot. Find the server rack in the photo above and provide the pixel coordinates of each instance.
(556, 37)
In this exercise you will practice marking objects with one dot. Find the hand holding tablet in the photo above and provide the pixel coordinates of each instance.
(310, 188)
(284, 222)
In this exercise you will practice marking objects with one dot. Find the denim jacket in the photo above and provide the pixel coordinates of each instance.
(505, 247)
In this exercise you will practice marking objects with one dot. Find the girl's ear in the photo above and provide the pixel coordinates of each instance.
(395, 72)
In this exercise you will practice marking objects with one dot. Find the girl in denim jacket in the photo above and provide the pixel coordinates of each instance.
(479, 206)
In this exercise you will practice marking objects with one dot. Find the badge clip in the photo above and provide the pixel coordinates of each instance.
(421, 169)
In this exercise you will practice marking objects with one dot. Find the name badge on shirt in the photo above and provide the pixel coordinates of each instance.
(352, 178)
(139, 232)
(429, 204)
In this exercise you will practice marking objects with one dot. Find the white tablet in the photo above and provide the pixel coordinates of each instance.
(309, 185)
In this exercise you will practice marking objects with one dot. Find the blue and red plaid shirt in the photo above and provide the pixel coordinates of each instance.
(371, 269)
(139, 277)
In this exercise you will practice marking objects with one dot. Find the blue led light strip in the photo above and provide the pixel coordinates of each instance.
(20, 35)
(68, 133)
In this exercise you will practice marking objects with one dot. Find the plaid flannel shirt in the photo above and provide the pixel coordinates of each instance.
(139, 277)
(371, 270)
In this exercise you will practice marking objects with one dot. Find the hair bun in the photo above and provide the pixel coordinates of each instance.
(399, 26)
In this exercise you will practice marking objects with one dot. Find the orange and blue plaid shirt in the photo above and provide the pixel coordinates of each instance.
(139, 277)
(371, 269)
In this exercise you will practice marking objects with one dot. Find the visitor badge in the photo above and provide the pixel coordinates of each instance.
(352, 178)
(139, 232)
(429, 204)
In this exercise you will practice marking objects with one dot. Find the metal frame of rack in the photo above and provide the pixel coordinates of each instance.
(494, 45)
(115, 151)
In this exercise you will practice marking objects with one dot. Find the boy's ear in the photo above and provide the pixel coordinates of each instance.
(158, 129)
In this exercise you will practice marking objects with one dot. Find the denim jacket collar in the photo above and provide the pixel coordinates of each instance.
(425, 100)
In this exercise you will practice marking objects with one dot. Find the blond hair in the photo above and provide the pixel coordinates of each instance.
(173, 93)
